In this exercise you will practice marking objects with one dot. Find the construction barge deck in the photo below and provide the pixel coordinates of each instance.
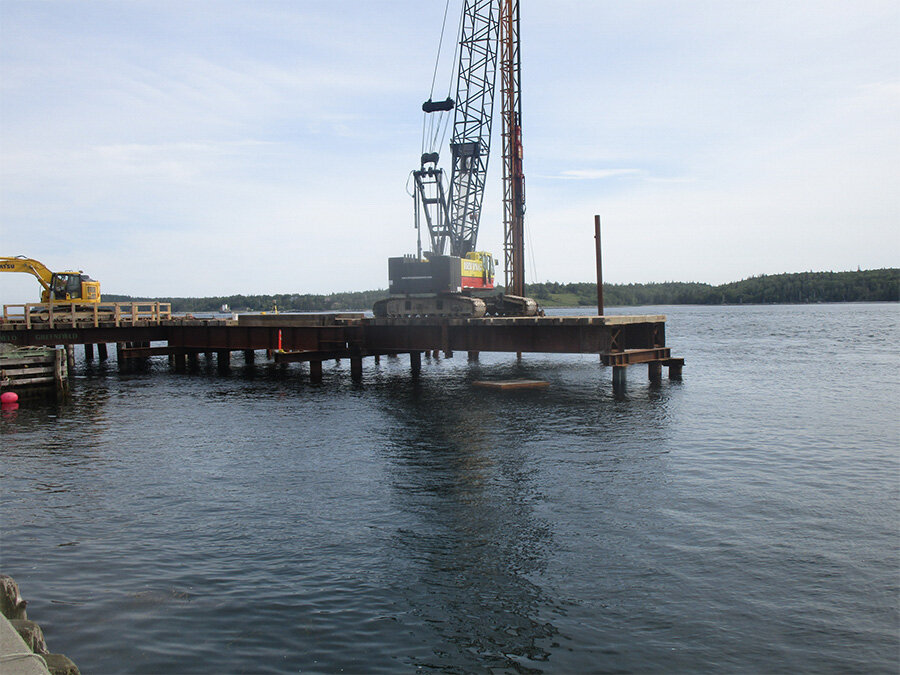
(619, 341)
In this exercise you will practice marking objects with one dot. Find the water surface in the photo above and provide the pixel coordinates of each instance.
(745, 519)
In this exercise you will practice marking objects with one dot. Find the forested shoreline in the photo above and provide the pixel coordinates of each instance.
(882, 285)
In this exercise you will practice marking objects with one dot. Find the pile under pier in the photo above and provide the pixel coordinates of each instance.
(619, 341)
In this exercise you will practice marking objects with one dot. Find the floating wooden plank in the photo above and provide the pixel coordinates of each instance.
(512, 384)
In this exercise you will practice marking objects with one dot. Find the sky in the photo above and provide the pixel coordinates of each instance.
(216, 147)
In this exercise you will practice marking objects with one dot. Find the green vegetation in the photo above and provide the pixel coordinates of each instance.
(861, 286)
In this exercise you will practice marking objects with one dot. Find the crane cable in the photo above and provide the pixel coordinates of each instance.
(440, 44)
(532, 269)
(430, 128)
(453, 74)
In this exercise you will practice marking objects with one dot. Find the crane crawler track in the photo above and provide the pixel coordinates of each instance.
(512, 305)
(450, 306)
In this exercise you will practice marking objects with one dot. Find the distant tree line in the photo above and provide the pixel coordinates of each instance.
(881, 285)
(288, 302)
(862, 286)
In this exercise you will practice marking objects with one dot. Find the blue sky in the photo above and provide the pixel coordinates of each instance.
(218, 147)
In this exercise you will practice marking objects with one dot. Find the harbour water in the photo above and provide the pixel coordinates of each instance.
(746, 519)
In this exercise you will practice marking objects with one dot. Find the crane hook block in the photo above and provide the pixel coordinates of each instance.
(431, 157)
(437, 106)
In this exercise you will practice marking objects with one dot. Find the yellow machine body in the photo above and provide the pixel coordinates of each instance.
(65, 288)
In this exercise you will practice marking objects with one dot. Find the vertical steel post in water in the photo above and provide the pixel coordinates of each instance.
(599, 267)
(618, 379)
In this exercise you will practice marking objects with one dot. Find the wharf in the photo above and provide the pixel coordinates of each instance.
(619, 341)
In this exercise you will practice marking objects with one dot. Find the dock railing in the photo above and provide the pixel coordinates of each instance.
(46, 315)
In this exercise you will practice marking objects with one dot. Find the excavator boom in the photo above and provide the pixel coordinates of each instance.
(28, 266)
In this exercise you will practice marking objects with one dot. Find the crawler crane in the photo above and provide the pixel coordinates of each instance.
(453, 279)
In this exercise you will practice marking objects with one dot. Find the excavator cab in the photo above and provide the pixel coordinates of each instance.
(73, 286)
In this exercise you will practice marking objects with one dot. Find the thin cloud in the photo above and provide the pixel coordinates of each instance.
(594, 174)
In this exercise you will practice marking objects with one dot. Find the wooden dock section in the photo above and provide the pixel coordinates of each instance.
(33, 370)
(619, 341)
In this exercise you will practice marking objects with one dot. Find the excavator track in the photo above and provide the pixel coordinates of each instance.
(455, 307)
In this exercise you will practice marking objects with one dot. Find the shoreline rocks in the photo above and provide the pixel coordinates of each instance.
(12, 606)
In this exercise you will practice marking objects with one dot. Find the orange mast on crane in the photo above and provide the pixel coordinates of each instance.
(513, 174)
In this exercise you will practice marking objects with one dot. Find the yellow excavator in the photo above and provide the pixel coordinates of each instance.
(58, 288)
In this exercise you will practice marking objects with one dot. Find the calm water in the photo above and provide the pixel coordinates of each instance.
(745, 519)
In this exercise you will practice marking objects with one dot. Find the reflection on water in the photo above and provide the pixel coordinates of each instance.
(255, 522)
(473, 538)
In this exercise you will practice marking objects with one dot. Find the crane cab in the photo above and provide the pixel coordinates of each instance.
(478, 271)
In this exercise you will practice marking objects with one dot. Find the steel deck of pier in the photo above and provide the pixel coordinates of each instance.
(619, 340)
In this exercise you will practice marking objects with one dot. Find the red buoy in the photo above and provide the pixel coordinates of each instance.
(9, 397)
